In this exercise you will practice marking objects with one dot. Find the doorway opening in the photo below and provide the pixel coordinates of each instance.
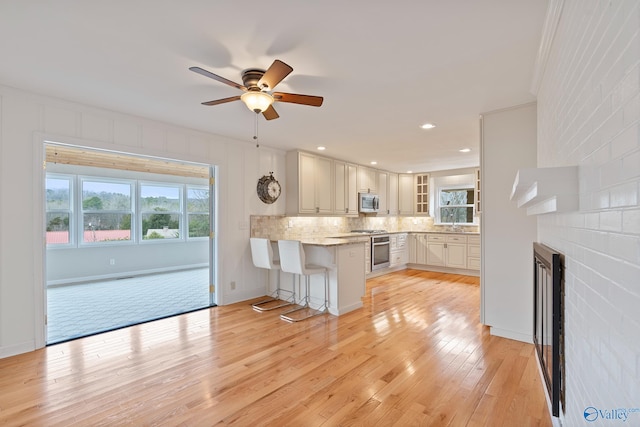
(128, 239)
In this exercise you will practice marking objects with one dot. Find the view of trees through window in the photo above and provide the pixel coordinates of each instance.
(108, 206)
(456, 205)
(58, 206)
(198, 211)
(160, 206)
(106, 210)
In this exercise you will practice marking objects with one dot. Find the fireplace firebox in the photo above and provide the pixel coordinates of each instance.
(548, 318)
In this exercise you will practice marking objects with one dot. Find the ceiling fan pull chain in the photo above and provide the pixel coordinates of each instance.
(255, 133)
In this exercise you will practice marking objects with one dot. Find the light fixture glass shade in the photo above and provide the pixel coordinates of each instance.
(257, 101)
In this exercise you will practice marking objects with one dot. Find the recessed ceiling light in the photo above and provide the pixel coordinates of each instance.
(374, 163)
(409, 171)
(321, 148)
(428, 126)
(465, 150)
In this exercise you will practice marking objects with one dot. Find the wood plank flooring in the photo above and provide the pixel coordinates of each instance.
(416, 354)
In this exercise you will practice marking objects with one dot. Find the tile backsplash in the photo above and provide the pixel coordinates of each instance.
(294, 227)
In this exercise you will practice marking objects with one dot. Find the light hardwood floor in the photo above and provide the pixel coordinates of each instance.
(416, 354)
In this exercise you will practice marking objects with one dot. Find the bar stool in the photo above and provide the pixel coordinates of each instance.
(292, 260)
(262, 256)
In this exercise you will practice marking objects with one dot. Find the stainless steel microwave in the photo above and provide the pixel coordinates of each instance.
(368, 203)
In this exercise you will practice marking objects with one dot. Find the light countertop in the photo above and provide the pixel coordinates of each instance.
(350, 238)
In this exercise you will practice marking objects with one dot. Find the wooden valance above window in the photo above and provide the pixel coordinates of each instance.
(80, 156)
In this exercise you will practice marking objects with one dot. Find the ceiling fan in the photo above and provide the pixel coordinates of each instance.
(258, 86)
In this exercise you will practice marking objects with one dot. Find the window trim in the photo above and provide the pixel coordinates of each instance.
(187, 213)
(181, 226)
(77, 213)
(438, 218)
(71, 210)
(81, 212)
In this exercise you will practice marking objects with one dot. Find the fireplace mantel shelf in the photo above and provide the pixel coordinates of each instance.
(546, 190)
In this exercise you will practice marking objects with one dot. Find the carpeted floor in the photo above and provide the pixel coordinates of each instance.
(84, 309)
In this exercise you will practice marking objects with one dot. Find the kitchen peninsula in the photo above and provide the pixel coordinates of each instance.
(344, 258)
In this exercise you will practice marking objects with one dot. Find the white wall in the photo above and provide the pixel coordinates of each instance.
(507, 233)
(27, 119)
(588, 115)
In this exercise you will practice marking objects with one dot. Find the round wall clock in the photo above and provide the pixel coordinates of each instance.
(268, 189)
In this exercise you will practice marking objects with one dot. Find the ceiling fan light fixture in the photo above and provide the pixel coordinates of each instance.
(257, 101)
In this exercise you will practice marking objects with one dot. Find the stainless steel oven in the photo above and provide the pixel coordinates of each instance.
(380, 252)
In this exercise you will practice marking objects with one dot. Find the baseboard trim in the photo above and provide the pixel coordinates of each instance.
(512, 335)
(87, 279)
(15, 349)
(463, 271)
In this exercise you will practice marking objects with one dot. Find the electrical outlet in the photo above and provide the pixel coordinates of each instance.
(290, 223)
(112, 261)
(233, 286)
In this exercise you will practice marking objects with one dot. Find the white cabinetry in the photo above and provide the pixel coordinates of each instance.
(345, 195)
(450, 252)
(456, 251)
(352, 189)
(340, 185)
(473, 253)
(392, 194)
(311, 181)
(399, 250)
(367, 257)
(436, 249)
(405, 194)
(422, 194)
(367, 182)
(418, 248)
(382, 186)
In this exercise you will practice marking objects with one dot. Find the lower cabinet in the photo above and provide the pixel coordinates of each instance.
(445, 250)
(399, 251)
(473, 253)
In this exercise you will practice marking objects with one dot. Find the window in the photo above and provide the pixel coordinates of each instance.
(198, 211)
(93, 210)
(161, 211)
(59, 203)
(456, 205)
(106, 210)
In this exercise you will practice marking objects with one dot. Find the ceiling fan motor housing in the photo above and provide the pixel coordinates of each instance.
(251, 77)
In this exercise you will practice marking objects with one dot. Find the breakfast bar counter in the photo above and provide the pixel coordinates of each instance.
(344, 258)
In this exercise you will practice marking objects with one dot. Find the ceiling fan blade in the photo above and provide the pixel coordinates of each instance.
(294, 98)
(270, 113)
(222, 101)
(217, 77)
(274, 75)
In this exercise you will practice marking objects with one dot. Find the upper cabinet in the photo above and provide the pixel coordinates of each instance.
(367, 180)
(345, 197)
(413, 194)
(382, 188)
(340, 181)
(422, 194)
(392, 194)
(319, 185)
(406, 194)
(311, 185)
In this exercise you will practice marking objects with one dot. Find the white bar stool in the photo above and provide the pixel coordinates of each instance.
(262, 256)
(292, 260)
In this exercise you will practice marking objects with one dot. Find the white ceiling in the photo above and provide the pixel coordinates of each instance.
(383, 67)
